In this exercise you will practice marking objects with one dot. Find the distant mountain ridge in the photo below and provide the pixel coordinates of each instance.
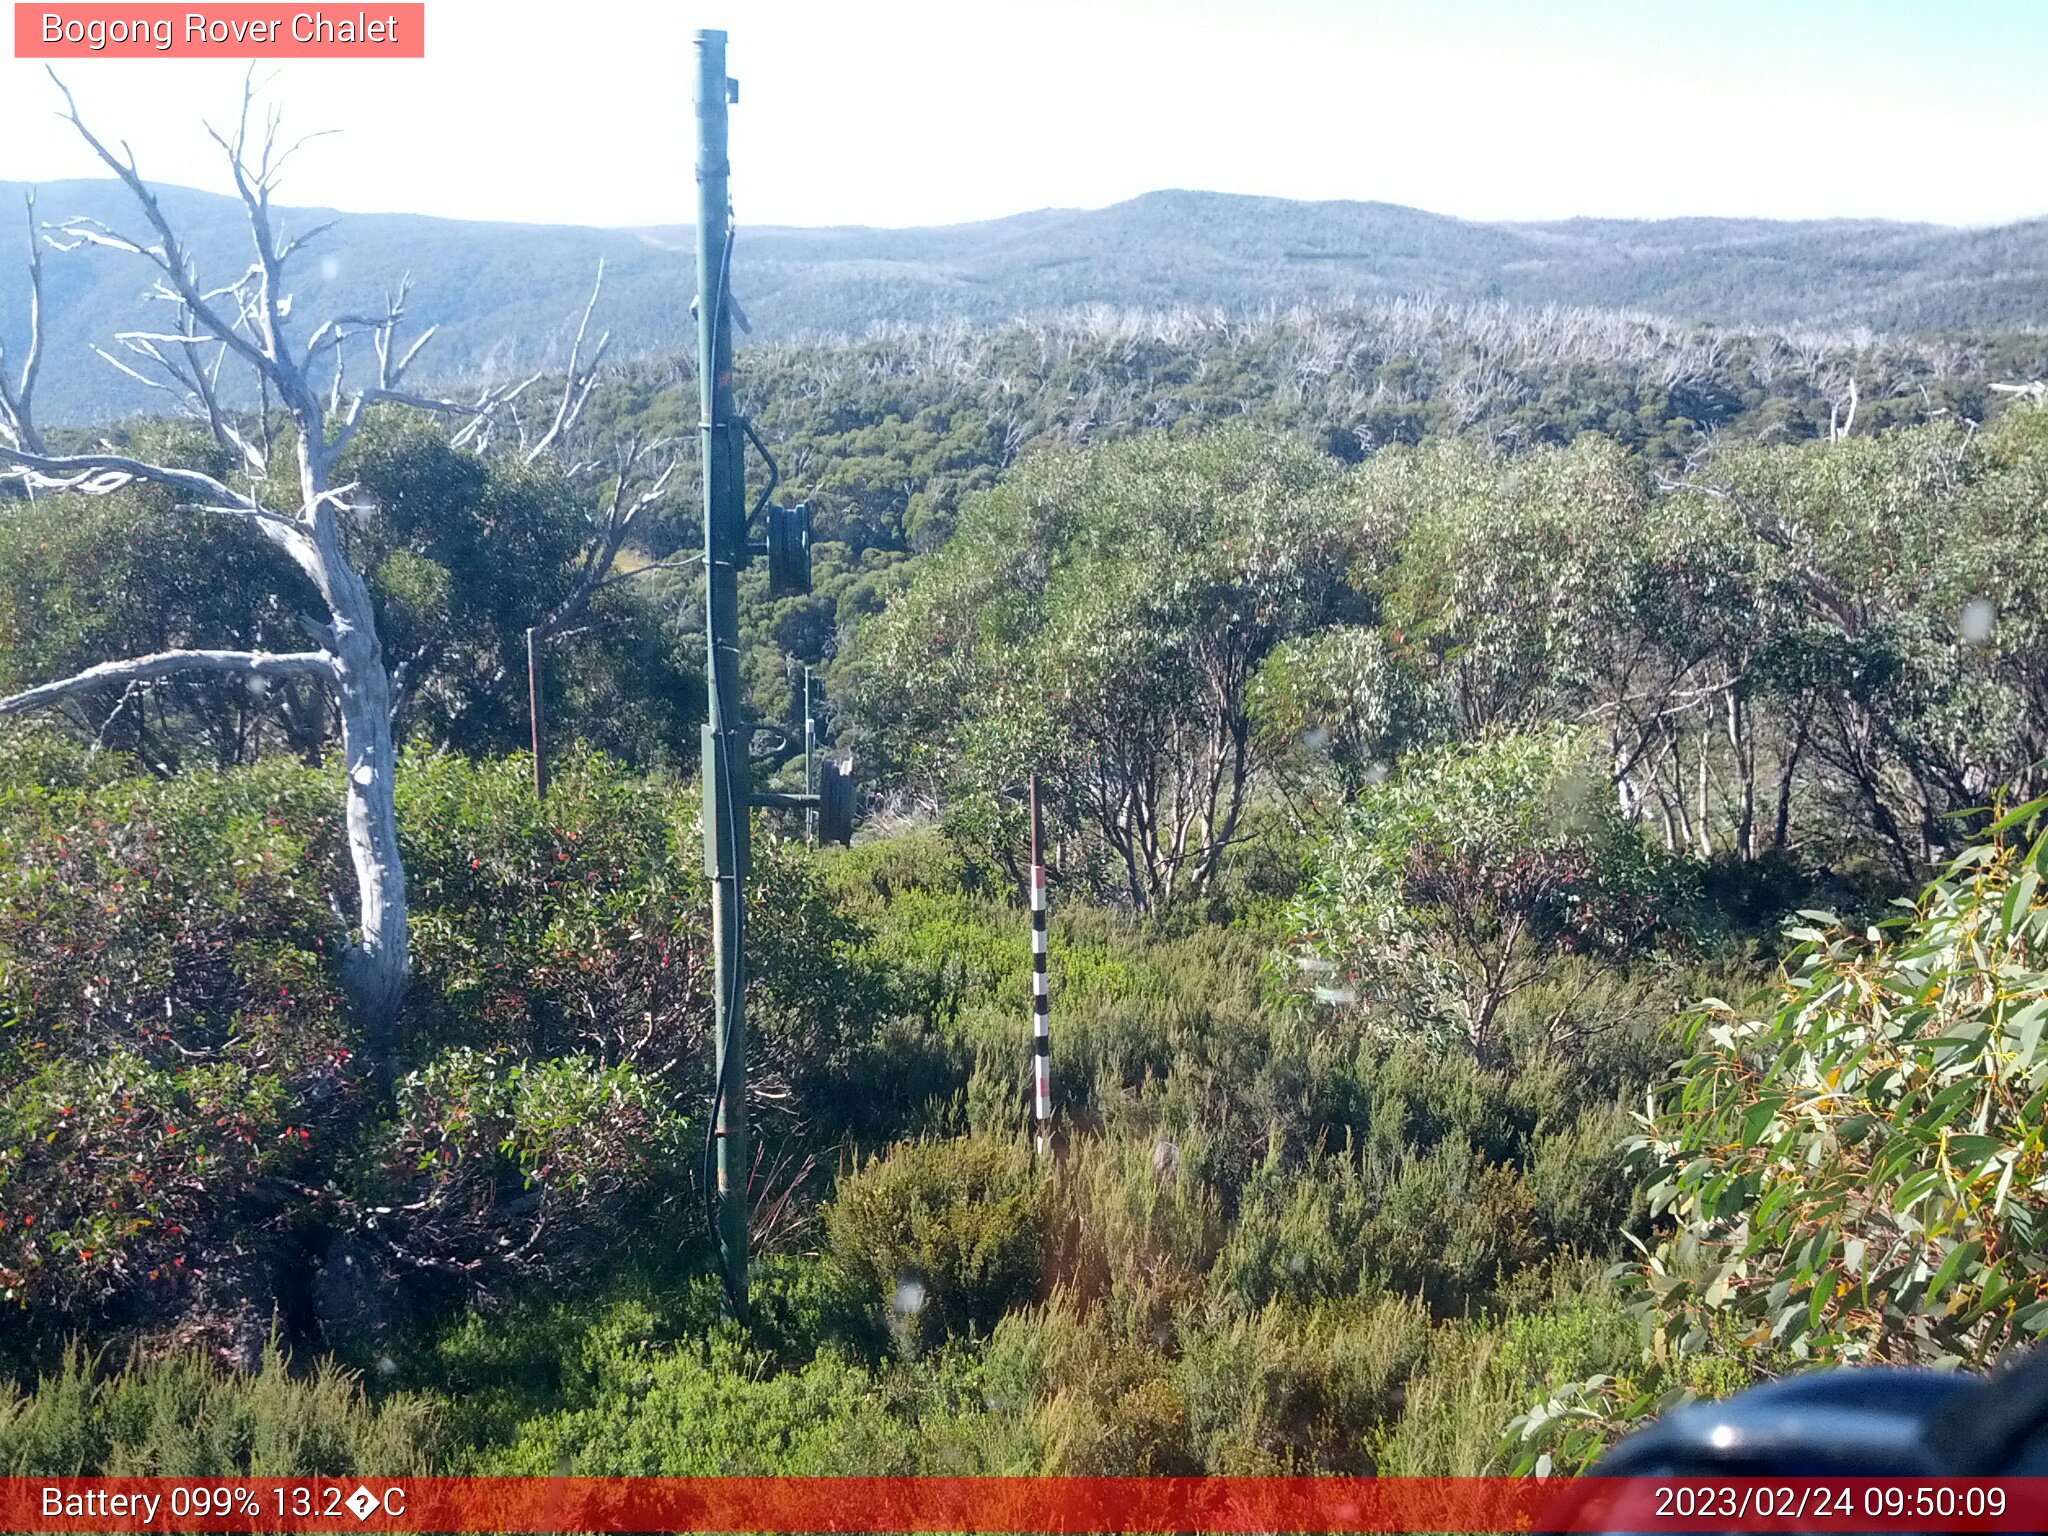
(505, 295)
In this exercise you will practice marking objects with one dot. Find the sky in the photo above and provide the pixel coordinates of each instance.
(903, 112)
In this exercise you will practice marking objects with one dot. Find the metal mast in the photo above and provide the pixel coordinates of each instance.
(726, 791)
(828, 796)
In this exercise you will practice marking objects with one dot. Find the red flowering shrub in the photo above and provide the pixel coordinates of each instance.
(187, 1143)
(117, 1176)
(175, 1069)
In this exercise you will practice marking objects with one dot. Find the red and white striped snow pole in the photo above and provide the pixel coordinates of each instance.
(1041, 998)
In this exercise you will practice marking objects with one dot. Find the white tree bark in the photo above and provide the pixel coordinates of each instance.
(245, 321)
(141, 669)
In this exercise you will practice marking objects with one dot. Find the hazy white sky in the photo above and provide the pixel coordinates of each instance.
(907, 112)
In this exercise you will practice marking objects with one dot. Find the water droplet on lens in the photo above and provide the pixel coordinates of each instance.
(1979, 618)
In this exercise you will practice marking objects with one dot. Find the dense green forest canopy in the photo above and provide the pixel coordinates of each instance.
(886, 437)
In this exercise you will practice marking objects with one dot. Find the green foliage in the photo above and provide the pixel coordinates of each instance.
(186, 1142)
(85, 580)
(1344, 692)
(1096, 620)
(946, 1235)
(515, 1168)
(1884, 595)
(1208, 1311)
(1577, 1330)
(1855, 1173)
(112, 1172)
(175, 1052)
(580, 926)
(1476, 874)
(572, 925)
(700, 1411)
(185, 1416)
(1505, 571)
(46, 758)
(463, 553)
(1271, 1237)
(1277, 1391)
(1847, 1166)
(884, 871)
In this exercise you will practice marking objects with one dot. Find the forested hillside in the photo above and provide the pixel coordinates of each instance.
(506, 296)
(1545, 861)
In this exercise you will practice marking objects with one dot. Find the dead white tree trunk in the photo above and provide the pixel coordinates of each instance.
(17, 398)
(245, 321)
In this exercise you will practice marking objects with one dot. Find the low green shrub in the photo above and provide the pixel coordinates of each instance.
(704, 1409)
(122, 1180)
(946, 1235)
(1460, 1412)
(187, 1416)
(1452, 1228)
(188, 1143)
(1296, 1390)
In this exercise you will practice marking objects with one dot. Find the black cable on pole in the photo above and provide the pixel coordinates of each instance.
(735, 991)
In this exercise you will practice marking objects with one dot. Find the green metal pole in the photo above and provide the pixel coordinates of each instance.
(726, 790)
(810, 760)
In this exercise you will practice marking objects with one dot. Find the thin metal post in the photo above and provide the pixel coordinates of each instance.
(1041, 997)
(534, 707)
(810, 760)
(726, 790)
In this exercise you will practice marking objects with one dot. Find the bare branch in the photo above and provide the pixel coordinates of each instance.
(136, 374)
(1841, 424)
(252, 664)
(477, 414)
(17, 400)
(128, 695)
(95, 474)
(247, 319)
(272, 303)
(622, 509)
(293, 244)
(580, 379)
(169, 256)
(205, 379)
(398, 369)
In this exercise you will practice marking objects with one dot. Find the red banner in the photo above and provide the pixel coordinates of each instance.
(1023, 1504)
(379, 30)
